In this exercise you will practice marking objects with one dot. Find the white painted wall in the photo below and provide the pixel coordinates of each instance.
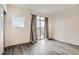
(65, 26)
(14, 36)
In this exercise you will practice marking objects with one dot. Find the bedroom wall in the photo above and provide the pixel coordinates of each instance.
(65, 26)
(14, 36)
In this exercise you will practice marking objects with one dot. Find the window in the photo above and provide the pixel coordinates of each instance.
(17, 22)
(40, 27)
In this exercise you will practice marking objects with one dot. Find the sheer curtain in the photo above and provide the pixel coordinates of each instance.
(33, 29)
(46, 28)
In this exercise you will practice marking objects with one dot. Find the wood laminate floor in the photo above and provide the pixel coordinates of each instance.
(43, 47)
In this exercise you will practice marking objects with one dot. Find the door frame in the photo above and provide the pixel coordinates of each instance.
(4, 13)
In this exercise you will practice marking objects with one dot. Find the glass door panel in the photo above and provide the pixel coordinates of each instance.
(40, 27)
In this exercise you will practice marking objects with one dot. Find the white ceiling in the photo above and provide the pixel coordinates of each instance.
(45, 8)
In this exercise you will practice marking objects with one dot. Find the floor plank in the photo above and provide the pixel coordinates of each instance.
(43, 47)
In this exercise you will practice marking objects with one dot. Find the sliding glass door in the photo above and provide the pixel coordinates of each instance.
(40, 27)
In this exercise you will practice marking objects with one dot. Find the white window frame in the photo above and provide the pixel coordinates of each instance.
(17, 22)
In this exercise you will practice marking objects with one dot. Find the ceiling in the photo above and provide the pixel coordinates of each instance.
(48, 9)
